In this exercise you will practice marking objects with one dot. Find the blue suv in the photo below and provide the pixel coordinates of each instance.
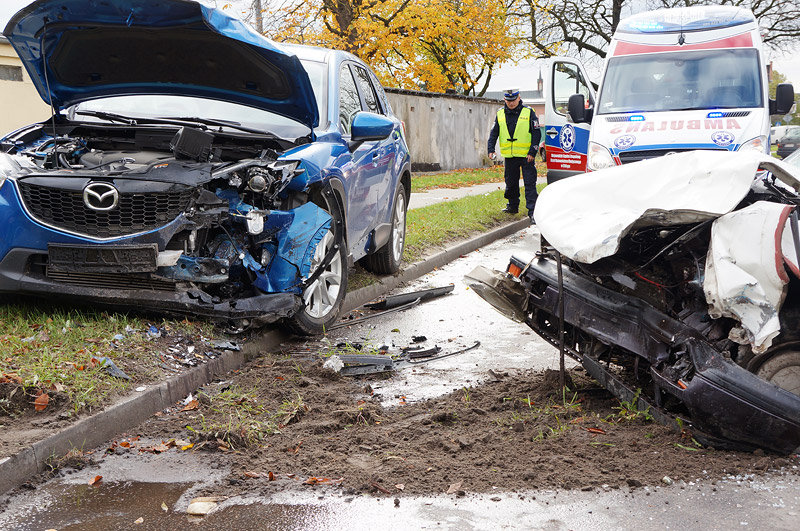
(192, 166)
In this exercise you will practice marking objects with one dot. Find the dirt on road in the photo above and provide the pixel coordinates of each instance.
(284, 422)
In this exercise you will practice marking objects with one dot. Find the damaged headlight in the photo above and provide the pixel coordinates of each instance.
(11, 166)
(599, 157)
(758, 143)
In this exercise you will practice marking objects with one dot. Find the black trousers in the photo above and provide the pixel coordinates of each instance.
(512, 169)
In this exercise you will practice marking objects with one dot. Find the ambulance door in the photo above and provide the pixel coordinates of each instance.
(566, 142)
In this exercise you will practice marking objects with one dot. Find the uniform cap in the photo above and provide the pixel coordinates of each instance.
(511, 94)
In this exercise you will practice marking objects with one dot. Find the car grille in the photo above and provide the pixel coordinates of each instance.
(635, 156)
(136, 212)
(111, 281)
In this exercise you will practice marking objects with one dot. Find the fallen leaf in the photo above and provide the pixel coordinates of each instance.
(187, 447)
(280, 378)
(596, 430)
(95, 480)
(125, 444)
(400, 486)
(41, 402)
(454, 487)
(164, 507)
(271, 476)
(139, 520)
(252, 474)
(194, 404)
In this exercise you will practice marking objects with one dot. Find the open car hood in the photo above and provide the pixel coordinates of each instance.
(87, 49)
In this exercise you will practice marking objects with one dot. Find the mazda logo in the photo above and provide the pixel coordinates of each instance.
(100, 196)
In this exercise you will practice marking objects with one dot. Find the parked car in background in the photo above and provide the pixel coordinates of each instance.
(195, 167)
(789, 143)
(779, 131)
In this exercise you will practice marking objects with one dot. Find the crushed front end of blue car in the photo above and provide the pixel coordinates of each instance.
(157, 228)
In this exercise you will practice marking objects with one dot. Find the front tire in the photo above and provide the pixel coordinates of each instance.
(783, 369)
(322, 299)
(387, 259)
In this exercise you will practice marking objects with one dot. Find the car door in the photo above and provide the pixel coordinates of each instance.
(566, 143)
(369, 184)
(383, 152)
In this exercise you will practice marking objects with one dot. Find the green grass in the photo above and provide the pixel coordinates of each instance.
(55, 351)
(432, 226)
(456, 179)
(421, 182)
(52, 351)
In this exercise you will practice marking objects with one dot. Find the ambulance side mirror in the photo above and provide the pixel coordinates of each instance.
(784, 99)
(576, 107)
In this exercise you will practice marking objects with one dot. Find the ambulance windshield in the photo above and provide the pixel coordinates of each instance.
(673, 81)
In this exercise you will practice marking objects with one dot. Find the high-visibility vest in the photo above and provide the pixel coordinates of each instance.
(520, 143)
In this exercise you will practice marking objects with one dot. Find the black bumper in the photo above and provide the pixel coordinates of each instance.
(725, 400)
(19, 276)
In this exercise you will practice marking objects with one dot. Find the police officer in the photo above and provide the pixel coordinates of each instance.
(518, 130)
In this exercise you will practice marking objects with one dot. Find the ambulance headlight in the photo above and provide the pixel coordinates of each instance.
(759, 143)
(599, 157)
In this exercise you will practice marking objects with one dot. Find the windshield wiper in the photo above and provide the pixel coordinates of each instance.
(201, 122)
(109, 116)
(214, 122)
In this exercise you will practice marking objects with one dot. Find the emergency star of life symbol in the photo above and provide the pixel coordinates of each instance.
(722, 138)
(625, 141)
(567, 138)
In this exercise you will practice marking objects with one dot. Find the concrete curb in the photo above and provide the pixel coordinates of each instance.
(96, 429)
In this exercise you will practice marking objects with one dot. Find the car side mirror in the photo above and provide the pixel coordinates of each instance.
(784, 99)
(368, 126)
(576, 106)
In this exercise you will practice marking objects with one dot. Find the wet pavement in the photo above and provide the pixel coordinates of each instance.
(454, 322)
(735, 502)
(148, 491)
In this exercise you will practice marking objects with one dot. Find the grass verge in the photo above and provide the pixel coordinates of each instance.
(436, 225)
(432, 226)
(421, 182)
(52, 358)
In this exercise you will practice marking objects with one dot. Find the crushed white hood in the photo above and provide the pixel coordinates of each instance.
(745, 277)
(587, 215)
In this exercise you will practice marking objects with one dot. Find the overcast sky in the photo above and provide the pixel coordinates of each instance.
(523, 75)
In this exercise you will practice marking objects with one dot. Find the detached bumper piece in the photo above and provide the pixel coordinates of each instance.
(729, 406)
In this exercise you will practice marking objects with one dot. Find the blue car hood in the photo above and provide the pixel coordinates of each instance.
(87, 49)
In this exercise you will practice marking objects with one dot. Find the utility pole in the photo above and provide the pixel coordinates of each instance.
(259, 19)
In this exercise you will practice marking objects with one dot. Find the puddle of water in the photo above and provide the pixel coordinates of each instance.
(96, 507)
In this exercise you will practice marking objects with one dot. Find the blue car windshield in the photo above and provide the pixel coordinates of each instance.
(672, 81)
(164, 106)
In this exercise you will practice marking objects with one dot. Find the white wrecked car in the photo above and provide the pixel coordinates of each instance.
(680, 278)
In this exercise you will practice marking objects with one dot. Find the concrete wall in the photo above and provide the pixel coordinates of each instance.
(20, 104)
(446, 131)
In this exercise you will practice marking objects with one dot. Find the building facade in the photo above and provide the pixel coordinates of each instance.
(20, 104)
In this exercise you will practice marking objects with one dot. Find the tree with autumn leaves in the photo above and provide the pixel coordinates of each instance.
(432, 44)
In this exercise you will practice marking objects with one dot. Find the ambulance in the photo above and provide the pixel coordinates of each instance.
(674, 80)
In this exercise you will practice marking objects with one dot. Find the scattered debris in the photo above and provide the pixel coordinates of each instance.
(359, 364)
(202, 506)
(111, 368)
(226, 345)
(394, 301)
(374, 315)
